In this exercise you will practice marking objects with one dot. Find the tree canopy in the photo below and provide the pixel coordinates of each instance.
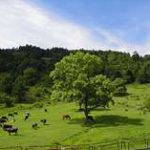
(78, 77)
(26, 67)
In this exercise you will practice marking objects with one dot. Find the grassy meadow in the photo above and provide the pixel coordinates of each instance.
(122, 120)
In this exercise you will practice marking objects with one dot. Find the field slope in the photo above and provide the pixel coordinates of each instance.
(124, 119)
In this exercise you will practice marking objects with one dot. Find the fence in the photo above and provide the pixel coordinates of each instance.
(73, 147)
(123, 144)
(140, 143)
(42, 147)
(12, 148)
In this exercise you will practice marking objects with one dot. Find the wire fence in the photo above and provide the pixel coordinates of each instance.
(12, 148)
(124, 144)
(42, 147)
(140, 143)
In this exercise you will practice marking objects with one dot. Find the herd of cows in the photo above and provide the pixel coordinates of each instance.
(7, 127)
(11, 116)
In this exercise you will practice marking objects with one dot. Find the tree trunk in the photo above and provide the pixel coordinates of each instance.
(86, 111)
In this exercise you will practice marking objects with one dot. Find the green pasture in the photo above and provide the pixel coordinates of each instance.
(124, 119)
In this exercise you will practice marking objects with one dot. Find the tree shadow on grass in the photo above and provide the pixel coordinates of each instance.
(102, 109)
(97, 109)
(108, 121)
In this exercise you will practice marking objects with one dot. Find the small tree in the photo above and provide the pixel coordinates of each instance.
(119, 88)
(77, 78)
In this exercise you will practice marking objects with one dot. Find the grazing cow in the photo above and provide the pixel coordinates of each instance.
(2, 120)
(4, 117)
(5, 126)
(45, 110)
(26, 117)
(11, 115)
(27, 114)
(43, 121)
(12, 130)
(34, 125)
(66, 117)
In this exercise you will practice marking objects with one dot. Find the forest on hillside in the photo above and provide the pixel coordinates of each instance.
(24, 71)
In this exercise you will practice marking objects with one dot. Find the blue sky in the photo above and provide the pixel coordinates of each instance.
(121, 25)
(115, 15)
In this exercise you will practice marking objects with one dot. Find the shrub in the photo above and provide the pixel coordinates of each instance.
(120, 91)
(118, 87)
(7, 100)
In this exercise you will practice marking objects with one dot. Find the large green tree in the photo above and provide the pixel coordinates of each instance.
(78, 77)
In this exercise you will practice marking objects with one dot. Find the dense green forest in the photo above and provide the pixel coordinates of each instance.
(24, 71)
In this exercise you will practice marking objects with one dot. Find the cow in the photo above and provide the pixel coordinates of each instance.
(34, 125)
(12, 130)
(66, 117)
(11, 115)
(27, 115)
(2, 120)
(4, 117)
(5, 126)
(43, 121)
(45, 110)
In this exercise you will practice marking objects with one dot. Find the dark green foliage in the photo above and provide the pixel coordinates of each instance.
(6, 83)
(120, 91)
(7, 100)
(144, 73)
(32, 65)
(78, 77)
(136, 56)
(30, 76)
(119, 88)
(25, 67)
(19, 89)
(129, 77)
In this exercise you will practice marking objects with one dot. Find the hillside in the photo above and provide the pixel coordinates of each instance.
(24, 71)
(118, 122)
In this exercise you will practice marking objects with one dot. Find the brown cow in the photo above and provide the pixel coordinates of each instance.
(12, 130)
(66, 117)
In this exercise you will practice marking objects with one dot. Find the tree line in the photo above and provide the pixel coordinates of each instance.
(24, 71)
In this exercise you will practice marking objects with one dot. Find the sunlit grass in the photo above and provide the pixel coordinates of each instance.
(120, 121)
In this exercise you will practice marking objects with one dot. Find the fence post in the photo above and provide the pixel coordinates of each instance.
(125, 145)
(118, 145)
(146, 141)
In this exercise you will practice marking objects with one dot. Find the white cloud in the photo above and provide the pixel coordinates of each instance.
(24, 23)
